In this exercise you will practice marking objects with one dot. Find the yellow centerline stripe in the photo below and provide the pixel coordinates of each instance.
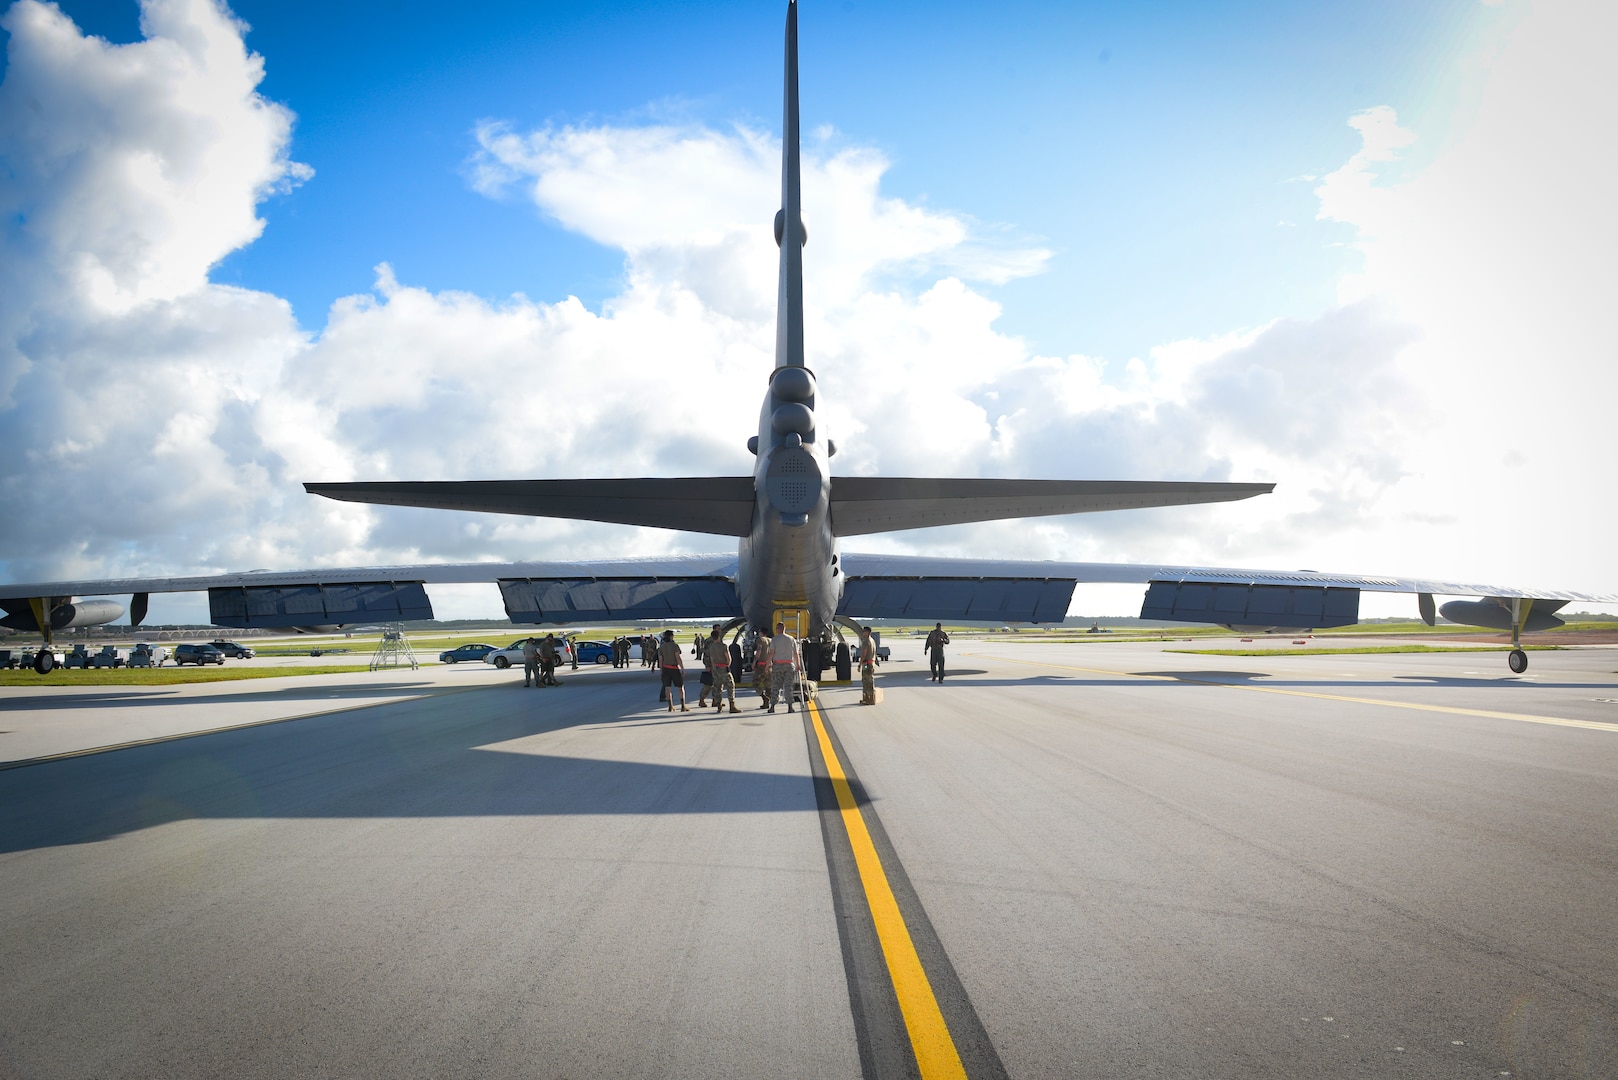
(929, 1035)
(1527, 718)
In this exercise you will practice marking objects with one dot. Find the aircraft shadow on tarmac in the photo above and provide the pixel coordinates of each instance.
(415, 759)
(1238, 678)
(919, 675)
(972, 678)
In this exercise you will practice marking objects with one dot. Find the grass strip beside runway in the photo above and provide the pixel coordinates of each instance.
(165, 676)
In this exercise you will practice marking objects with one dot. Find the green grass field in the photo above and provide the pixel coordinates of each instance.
(427, 646)
(163, 676)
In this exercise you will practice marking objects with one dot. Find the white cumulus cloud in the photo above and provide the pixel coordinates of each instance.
(152, 421)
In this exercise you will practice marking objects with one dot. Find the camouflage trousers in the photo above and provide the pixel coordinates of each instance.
(723, 683)
(867, 686)
(778, 683)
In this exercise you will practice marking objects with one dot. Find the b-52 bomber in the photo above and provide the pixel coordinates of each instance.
(789, 516)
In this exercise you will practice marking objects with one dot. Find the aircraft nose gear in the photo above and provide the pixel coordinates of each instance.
(1517, 661)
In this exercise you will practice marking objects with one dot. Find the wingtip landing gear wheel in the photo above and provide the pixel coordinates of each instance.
(1518, 661)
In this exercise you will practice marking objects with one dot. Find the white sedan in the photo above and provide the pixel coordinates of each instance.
(511, 655)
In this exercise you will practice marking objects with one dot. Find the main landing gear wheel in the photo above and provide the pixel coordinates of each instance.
(44, 661)
(1518, 661)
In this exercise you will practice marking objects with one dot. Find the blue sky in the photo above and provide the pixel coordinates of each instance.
(1154, 148)
(1357, 249)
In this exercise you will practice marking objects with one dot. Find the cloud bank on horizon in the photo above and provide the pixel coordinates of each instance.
(1446, 417)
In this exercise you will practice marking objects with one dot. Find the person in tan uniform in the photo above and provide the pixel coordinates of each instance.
(671, 661)
(867, 667)
(786, 665)
(719, 663)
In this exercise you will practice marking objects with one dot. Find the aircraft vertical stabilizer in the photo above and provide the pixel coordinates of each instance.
(789, 234)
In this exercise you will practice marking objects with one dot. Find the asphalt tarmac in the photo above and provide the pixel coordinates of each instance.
(1104, 859)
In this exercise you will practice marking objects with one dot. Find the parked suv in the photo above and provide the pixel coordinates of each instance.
(233, 650)
(198, 655)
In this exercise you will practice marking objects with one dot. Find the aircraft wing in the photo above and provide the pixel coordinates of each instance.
(922, 587)
(675, 586)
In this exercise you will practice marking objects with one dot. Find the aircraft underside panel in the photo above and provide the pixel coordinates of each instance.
(318, 605)
(567, 600)
(975, 599)
(1245, 604)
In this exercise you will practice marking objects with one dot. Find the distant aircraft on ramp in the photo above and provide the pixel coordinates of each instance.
(789, 516)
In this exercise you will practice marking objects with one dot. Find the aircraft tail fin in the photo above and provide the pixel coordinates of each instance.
(789, 232)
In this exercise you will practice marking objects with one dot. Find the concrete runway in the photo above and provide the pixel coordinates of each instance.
(1114, 860)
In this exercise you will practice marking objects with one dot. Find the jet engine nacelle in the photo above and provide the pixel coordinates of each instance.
(64, 616)
(1496, 616)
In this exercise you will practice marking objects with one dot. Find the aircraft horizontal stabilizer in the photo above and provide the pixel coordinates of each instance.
(874, 504)
(722, 505)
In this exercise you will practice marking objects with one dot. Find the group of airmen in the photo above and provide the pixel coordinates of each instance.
(539, 656)
(778, 670)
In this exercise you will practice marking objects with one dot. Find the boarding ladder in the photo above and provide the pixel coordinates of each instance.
(393, 650)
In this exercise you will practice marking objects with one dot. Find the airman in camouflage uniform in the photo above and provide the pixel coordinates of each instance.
(867, 667)
(719, 663)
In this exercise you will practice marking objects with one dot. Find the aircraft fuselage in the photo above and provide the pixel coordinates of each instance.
(789, 559)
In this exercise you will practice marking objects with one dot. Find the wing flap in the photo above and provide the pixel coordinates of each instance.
(564, 600)
(1305, 607)
(280, 606)
(872, 504)
(991, 599)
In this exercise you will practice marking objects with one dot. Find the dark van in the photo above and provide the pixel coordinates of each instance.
(198, 655)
